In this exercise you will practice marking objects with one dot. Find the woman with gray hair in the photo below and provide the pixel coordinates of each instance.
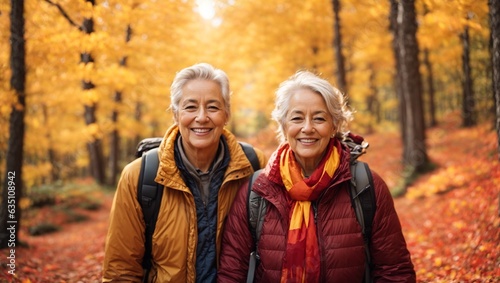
(201, 167)
(310, 232)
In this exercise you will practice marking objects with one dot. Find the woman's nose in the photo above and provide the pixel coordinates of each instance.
(202, 115)
(307, 127)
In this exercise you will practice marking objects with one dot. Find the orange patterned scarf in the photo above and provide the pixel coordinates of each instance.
(302, 260)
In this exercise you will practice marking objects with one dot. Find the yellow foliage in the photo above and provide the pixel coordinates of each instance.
(93, 132)
(24, 203)
(34, 174)
(258, 43)
(91, 96)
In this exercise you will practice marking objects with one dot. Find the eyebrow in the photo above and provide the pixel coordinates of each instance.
(314, 113)
(215, 101)
(196, 101)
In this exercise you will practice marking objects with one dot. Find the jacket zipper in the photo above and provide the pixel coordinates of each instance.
(315, 205)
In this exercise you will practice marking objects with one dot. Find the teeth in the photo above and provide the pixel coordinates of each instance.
(307, 140)
(201, 130)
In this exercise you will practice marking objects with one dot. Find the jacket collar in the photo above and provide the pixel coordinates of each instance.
(169, 174)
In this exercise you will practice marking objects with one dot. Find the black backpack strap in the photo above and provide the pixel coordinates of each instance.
(149, 194)
(147, 144)
(256, 209)
(362, 193)
(255, 203)
(251, 155)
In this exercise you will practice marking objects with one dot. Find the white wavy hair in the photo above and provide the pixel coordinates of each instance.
(333, 98)
(199, 71)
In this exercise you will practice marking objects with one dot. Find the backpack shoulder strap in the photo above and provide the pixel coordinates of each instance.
(149, 194)
(256, 206)
(256, 209)
(147, 144)
(251, 155)
(362, 193)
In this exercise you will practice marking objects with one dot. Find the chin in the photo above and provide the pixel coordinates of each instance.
(203, 144)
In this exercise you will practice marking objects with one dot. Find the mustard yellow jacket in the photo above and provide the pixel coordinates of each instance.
(175, 236)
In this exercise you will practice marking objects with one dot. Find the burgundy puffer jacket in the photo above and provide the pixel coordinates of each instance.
(339, 233)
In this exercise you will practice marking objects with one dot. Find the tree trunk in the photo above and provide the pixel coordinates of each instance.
(96, 165)
(138, 118)
(468, 102)
(10, 214)
(315, 51)
(51, 153)
(372, 102)
(94, 146)
(494, 6)
(114, 148)
(394, 27)
(415, 159)
(430, 82)
(337, 45)
(114, 152)
(430, 89)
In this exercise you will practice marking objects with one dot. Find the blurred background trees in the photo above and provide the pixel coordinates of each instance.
(98, 72)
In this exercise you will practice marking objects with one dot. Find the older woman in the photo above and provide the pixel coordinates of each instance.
(310, 232)
(201, 168)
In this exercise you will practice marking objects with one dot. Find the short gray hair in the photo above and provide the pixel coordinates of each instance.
(199, 71)
(333, 98)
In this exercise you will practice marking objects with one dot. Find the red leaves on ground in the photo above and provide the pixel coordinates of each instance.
(73, 254)
(450, 216)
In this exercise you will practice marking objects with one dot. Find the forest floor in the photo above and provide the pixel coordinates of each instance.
(450, 216)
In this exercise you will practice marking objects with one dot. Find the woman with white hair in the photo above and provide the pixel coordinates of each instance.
(310, 232)
(201, 167)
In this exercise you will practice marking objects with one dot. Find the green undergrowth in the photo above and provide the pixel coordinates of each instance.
(411, 175)
(47, 208)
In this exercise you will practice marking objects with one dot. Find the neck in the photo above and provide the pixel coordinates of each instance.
(308, 165)
(200, 159)
(307, 172)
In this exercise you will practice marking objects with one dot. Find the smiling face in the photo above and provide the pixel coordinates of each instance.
(308, 128)
(201, 116)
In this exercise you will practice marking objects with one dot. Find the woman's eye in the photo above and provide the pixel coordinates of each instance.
(213, 108)
(319, 119)
(190, 107)
(296, 119)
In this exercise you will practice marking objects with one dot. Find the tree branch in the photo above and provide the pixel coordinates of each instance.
(64, 14)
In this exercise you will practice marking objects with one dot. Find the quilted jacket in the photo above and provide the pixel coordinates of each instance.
(175, 238)
(339, 234)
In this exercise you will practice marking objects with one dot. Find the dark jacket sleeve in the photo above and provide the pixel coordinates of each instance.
(391, 258)
(237, 241)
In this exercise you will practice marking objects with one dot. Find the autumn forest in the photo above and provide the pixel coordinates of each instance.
(83, 81)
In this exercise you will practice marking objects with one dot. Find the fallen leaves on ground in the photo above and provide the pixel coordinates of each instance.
(74, 254)
(450, 216)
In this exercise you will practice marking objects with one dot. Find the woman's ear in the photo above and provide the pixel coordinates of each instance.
(176, 117)
(334, 132)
